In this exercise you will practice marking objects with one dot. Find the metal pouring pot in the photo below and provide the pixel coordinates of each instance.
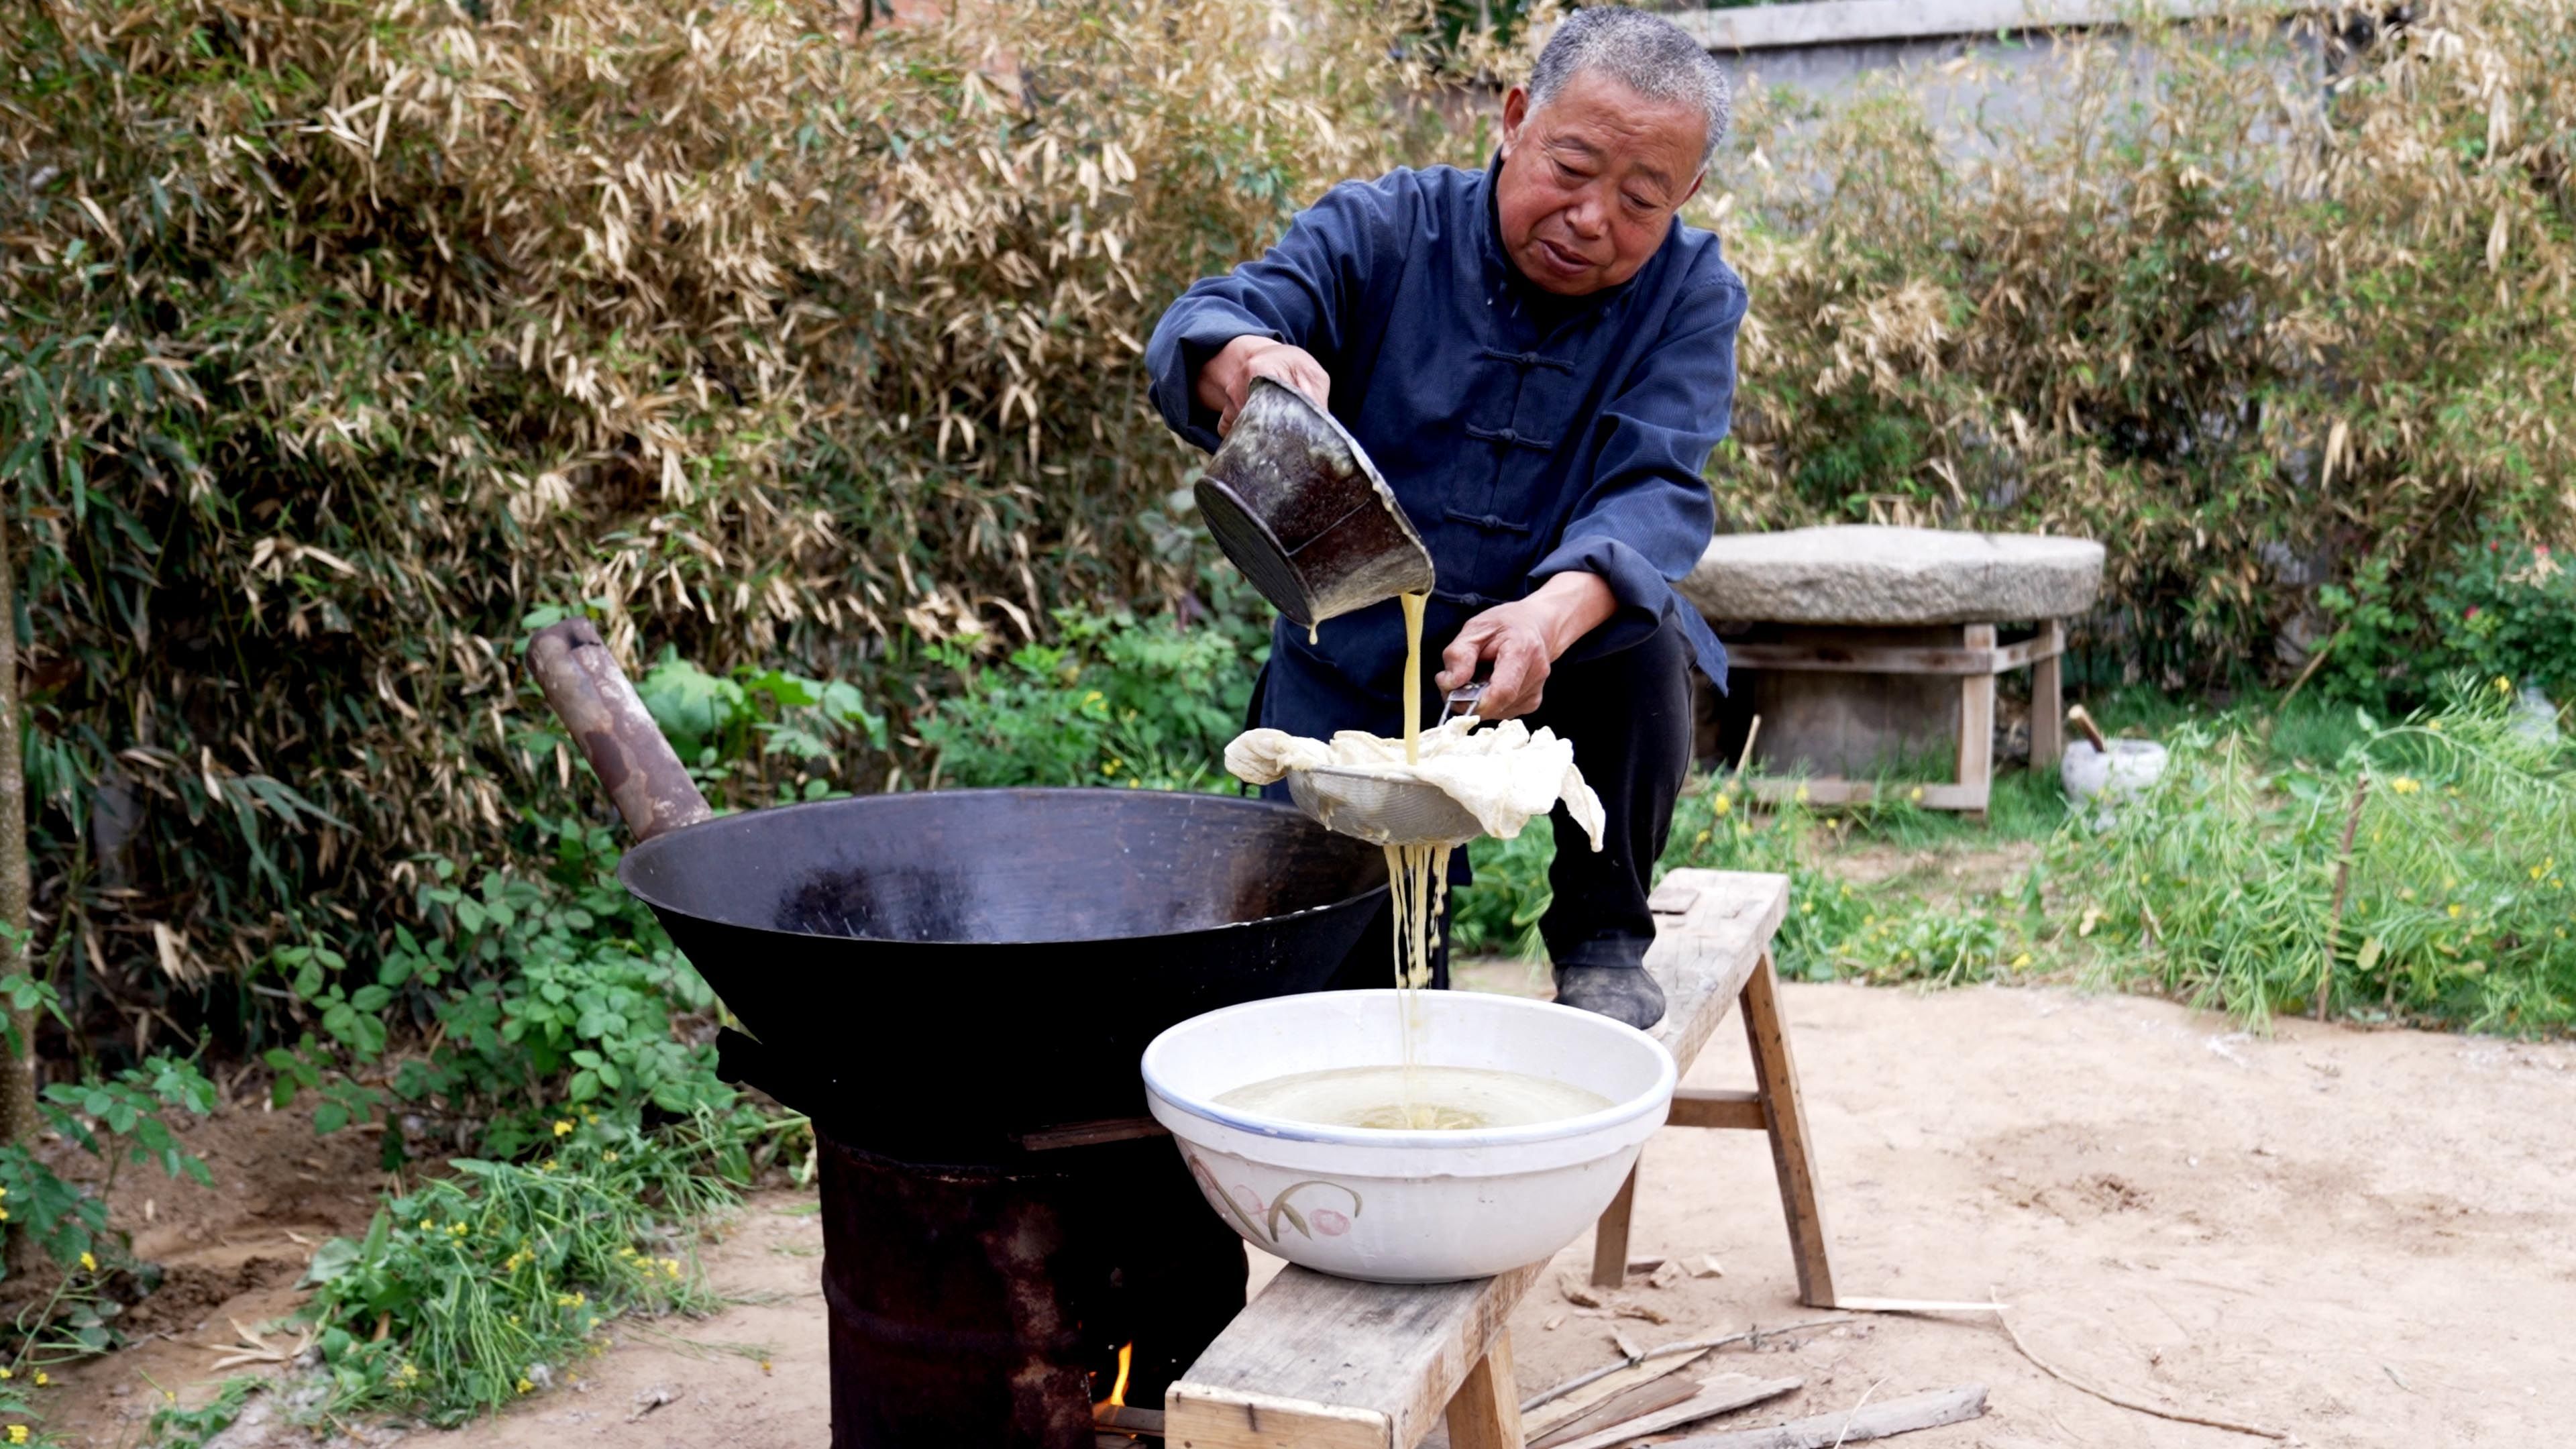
(1301, 510)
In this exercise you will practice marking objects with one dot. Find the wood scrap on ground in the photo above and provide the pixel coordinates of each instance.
(2179, 1416)
(1669, 1350)
(1723, 1394)
(1851, 1426)
(1913, 1305)
(1661, 1392)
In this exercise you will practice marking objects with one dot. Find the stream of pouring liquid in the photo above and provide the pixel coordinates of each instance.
(1418, 879)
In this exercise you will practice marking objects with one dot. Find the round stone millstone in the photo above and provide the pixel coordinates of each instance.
(1871, 574)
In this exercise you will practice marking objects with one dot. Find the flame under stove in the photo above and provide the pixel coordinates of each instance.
(1001, 1301)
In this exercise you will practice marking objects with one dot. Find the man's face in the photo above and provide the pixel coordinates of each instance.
(1592, 181)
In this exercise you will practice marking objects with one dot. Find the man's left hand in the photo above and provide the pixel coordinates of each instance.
(1524, 640)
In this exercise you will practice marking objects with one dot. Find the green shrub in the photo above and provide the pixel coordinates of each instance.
(2508, 608)
(1116, 701)
(337, 339)
(538, 985)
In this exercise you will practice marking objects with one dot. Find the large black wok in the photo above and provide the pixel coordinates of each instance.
(949, 970)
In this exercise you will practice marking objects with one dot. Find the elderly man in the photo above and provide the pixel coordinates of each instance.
(1538, 356)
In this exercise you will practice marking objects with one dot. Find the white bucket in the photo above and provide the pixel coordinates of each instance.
(2098, 783)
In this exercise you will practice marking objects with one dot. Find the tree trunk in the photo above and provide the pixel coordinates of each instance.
(17, 1069)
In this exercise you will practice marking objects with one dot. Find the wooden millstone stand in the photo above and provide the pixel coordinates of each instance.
(1865, 649)
(1326, 1363)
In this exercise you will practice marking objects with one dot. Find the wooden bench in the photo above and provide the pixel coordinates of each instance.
(1316, 1362)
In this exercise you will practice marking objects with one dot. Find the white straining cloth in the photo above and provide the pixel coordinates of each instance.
(1504, 775)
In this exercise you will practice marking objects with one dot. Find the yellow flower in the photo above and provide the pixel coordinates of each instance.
(1801, 795)
(17, 1433)
(563, 1128)
(5, 1374)
(1915, 794)
(525, 1386)
(4, 1215)
(457, 1228)
(2455, 910)
(89, 1262)
(671, 1266)
(427, 1226)
(42, 1378)
(608, 1157)
(546, 1166)
(2404, 785)
(1091, 698)
(764, 1365)
(2503, 685)
(1721, 805)
(2434, 725)
(2021, 960)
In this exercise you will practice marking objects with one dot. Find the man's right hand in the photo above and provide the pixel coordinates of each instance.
(1226, 380)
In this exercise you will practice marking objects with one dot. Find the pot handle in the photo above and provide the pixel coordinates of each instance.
(613, 730)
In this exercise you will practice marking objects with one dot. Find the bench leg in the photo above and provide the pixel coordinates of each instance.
(1486, 1411)
(1977, 724)
(1776, 1077)
(2048, 698)
(1610, 1236)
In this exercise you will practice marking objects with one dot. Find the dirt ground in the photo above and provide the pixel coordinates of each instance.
(2360, 1238)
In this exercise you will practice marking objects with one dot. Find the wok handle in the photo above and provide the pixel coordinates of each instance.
(613, 730)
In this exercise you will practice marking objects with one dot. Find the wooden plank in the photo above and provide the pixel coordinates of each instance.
(1610, 1236)
(1335, 1364)
(1846, 22)
(1721, 1395)
(1717, 1107)
(1485, 1413)
(1827, 793)
(2048, 700)
(1977, 720)
(1827, 658)
(1198, 1417)
(1775, 1074)
(1869, 1421)
(1333, 1358)
(1703, 961)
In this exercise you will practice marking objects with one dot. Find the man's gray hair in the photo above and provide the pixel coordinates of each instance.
(1646, 53)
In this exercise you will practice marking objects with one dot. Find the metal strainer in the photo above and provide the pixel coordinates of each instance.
(1381, 811)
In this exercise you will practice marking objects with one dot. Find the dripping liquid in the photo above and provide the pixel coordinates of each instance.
(1418, 881)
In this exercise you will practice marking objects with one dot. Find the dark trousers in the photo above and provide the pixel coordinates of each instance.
(1629, 716)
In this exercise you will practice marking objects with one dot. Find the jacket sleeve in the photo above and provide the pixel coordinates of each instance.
(1302, 291)
(1647, 516)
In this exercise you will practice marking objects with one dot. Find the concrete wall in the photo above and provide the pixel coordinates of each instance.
(1981, 68)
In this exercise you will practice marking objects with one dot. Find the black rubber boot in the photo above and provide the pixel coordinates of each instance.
(1621, 993)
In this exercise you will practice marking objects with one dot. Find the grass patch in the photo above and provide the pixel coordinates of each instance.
(2420, 875)
(471, 1291)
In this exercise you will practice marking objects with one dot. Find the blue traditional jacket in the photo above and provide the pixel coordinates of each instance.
(1525, 434)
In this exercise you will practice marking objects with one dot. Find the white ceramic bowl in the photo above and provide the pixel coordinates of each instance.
(1407, 1207)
